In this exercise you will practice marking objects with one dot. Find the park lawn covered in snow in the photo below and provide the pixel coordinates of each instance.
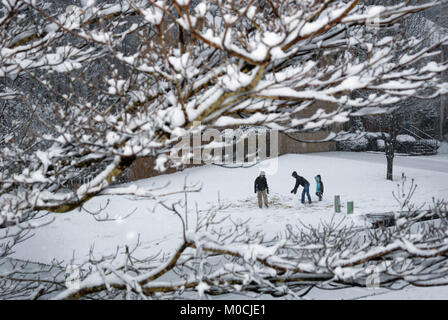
(358, 177)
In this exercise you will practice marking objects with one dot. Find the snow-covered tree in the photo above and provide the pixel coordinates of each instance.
(169, 67)
(390, 144)
(107, 83)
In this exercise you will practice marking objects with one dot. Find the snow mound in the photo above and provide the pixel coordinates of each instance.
(402, 138)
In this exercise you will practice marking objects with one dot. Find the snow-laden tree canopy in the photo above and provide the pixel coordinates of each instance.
(111, 82)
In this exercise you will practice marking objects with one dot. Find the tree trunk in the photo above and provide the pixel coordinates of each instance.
(390, 143)
(390, 167)
(389, 148)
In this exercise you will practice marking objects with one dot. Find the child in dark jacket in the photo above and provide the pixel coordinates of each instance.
(319, 187)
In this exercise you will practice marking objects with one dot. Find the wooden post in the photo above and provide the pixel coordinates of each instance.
(337, 203)
(349, 207)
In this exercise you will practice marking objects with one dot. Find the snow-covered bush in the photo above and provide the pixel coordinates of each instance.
(380, 144)
(362, 141)
(433, 143)
(405, 143)
(375, 141)
(405, 138)
(356, 144)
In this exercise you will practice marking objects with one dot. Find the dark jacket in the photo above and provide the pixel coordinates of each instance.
(261, 184)
(319, 184)
(300, 181)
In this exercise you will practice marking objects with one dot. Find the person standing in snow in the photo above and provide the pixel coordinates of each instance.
(262, 189)
(301, 181)
(319, 187)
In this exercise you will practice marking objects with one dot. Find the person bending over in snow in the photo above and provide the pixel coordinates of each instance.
(319, 187)
(261, 187)
(301, 181)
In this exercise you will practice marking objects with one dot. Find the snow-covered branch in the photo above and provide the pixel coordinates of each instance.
(101, 85)
(217, 256)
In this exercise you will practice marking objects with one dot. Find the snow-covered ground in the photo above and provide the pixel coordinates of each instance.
(358, 177)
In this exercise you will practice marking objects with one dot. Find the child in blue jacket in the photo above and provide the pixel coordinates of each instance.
(319, 187)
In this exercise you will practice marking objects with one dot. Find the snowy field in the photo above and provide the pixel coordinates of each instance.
(358, 177)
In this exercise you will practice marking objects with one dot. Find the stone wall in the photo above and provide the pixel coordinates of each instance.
(287, 144)
(143, 168)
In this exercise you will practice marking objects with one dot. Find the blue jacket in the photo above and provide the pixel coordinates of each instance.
(319, 184)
